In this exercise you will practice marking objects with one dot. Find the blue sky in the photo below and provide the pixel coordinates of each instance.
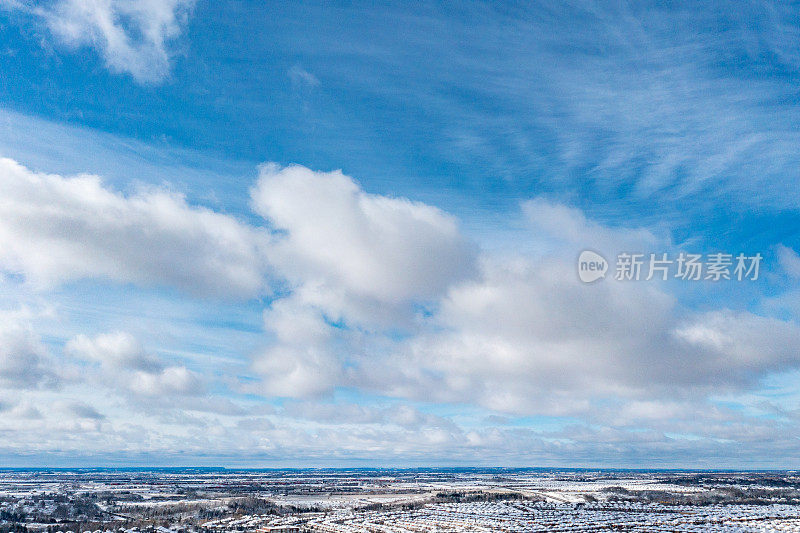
(331, 234)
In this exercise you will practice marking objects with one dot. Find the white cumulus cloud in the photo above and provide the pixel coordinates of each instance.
(23, 356)
(55, 229)
(116, 350)
(387, 249)
(123, 361)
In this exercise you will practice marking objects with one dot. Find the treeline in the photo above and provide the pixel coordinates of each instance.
(476, 496)
(254, 505)
(738, 480)
(715, 496)
(75, 509)
(450, 497)
(13, 528)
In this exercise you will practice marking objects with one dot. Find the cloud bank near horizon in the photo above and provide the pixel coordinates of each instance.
(378, 313)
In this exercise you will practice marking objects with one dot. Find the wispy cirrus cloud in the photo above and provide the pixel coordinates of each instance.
(597, 101)
(132, 36)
